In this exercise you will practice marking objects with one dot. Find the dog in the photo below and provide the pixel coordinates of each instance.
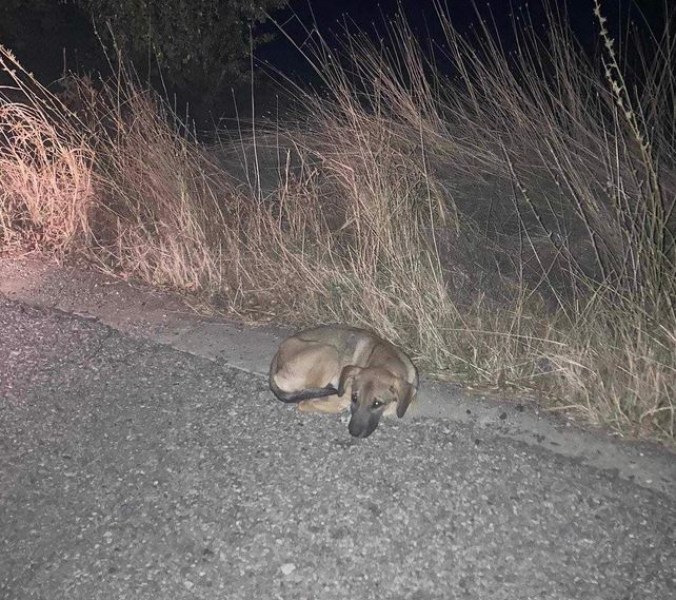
(330, 367)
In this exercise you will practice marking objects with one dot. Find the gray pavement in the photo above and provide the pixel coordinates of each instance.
(151, 314)
(129, 469)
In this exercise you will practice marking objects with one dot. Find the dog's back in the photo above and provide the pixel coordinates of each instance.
(339, 345)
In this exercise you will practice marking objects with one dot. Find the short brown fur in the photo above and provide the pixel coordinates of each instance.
(332, 367)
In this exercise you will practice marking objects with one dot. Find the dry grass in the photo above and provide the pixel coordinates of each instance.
(512, 226)
(46, 174)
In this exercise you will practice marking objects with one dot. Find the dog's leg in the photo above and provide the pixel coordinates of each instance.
(332, 404)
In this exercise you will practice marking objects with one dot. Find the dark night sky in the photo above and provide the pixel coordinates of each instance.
(330, 16)
(368, 14)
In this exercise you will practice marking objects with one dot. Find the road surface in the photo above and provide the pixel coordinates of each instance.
(130, 470)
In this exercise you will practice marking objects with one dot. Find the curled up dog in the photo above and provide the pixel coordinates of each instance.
(332, 367)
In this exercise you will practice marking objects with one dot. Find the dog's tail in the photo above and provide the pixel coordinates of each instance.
(308, 394)
(297, 396)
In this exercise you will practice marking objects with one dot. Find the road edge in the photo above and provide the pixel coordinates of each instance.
(144, 312)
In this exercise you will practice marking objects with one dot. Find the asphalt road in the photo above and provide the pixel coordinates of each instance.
(129, 470)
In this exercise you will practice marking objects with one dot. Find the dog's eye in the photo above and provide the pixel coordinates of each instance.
(377, 404)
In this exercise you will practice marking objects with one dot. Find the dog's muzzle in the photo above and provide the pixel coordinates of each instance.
(363, 422)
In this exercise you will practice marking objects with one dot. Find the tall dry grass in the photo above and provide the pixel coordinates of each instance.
(512, 225)
(45, 170)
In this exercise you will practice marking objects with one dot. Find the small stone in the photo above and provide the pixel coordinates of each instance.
(288, 568)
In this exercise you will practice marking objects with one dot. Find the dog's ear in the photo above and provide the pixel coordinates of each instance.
(346, 375)
(406, 393)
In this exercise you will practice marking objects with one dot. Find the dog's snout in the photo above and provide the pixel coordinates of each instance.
(363, 423)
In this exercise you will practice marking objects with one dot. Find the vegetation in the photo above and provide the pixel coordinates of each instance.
(201, 48)
(196, 44)
(513, 225)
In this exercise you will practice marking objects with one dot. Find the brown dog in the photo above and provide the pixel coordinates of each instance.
(317, 367)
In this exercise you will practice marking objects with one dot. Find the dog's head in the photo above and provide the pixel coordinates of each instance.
(373, 390)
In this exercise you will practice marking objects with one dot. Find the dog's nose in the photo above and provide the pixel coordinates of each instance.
(362, 433)
(361, 427)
